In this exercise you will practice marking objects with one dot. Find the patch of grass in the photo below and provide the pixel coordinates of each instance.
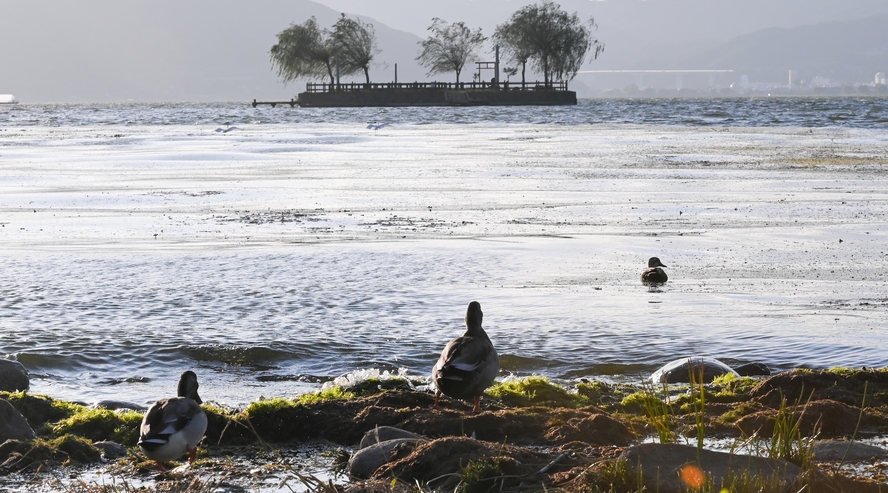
(535, 391)
(480, 476)
(101, 424)
(746, 482)
(613, 476)
(659, 414)
(786, 442)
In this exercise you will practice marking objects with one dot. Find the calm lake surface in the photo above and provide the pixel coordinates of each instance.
(137, 242)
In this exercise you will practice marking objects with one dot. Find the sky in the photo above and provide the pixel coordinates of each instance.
(217, 50)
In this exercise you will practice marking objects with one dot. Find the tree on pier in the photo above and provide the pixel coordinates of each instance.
(355, 44)
(555, 42)
(449, 47)
(513, 40)
(307, 51)
(304, 50)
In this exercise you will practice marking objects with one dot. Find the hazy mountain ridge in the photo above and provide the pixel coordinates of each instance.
(217, 50)
(843, 51)
(163, 50)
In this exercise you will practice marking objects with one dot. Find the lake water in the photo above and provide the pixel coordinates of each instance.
(137, 242)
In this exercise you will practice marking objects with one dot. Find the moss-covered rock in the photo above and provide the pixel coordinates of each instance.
(78, 449)
(276, 419)
(40, 409)
(101, 424)
(535, 391)
(844, 385)
(18, 455)
(473, 464)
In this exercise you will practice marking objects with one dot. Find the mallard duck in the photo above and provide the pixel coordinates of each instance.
(654, 274)
(468, 364)
(174, 426)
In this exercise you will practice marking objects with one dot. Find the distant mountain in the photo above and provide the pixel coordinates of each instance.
(844, 52)
(165, 50)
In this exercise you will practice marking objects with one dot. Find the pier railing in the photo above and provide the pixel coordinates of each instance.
(452, 86)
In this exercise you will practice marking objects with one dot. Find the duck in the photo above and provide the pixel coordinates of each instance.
(468, 364)
(654, 274)
(174, 426)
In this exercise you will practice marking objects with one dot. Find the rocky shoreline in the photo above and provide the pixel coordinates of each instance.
(532, 435)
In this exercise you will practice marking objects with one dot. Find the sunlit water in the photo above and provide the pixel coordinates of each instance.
(138, 242)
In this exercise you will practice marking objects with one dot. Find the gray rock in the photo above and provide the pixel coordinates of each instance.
(680, 370)
(13, 426)
(385, 433)
(662, 463)
(753, 370)
(367, 460)
(115, 405)
(836, 450)
(13, 376)
(111, 450)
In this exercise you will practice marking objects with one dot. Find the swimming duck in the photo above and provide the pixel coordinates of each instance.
(468, 364)
(174, 426)
(654, 274)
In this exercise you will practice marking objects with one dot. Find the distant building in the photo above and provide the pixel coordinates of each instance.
(818, 81)
(880, 78)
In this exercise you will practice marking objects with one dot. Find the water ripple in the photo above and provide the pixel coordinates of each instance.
(857, 112)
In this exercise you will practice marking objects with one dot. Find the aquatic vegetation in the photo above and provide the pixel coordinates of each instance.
(741, 409)
(102, 424)
(850, 372)
(594, 391)
(535, 391)
(638, 401)
(732, 384)
(335, 392)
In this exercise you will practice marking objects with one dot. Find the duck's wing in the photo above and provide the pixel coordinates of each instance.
(466, 354)
(166, 417)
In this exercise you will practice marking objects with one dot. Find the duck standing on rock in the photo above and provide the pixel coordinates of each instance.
(174, 426)
(468, 364)
(654, 274)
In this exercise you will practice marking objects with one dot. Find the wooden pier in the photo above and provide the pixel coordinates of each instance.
(291, 102)
(394, 94)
